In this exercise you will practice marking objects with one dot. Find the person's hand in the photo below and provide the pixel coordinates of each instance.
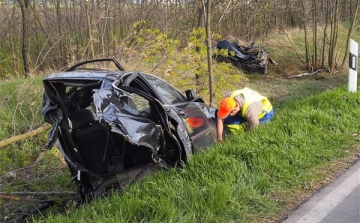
(220, 140)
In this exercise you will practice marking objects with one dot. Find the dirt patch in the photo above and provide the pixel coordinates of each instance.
(278, 88)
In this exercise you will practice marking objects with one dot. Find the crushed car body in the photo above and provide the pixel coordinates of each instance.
(115, 127)
(249, 58)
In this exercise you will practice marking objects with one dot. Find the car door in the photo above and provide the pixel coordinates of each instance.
(132, 111)
(197, 117)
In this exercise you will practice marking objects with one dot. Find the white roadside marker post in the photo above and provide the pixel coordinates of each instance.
(353, 65)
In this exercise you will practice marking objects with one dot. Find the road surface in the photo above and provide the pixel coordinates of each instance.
(338, 202)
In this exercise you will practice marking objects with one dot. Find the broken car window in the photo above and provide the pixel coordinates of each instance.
(168, 92)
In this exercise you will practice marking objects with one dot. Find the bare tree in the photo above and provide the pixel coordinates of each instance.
(208, 45)
(25, 12)
(353, 21)
(305, 27)
(315, 35)
(63, 31)
(334, 26)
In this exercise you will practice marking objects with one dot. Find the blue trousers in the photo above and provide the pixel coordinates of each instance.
(238, 120)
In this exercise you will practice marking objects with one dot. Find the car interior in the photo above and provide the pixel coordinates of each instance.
(99, 149)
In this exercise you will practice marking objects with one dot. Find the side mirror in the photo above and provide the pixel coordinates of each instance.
(190, 95)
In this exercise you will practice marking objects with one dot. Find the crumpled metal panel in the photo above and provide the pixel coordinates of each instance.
(53, 115)
(201, 136)
(125, 121)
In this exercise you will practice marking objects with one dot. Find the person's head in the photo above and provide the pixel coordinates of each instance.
(228, 106)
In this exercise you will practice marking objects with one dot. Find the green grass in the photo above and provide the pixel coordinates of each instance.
(26, 165)
(20, 111)
(251, 177)
(20, 108)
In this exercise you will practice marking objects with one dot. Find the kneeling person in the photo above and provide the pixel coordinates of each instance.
(242, 110)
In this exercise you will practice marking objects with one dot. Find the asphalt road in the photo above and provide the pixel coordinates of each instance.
(338, 202)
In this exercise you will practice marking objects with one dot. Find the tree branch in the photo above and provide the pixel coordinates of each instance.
(24, 136)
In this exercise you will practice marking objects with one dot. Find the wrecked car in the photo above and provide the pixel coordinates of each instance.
(116, 127)
(249, 58)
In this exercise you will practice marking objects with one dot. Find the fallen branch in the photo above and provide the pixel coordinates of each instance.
(20, 217)
(23, 199)
(305, 74)
(29, 193)
(24, 136)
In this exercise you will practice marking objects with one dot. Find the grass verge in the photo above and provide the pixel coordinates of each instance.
(25, 166)
(257, 176)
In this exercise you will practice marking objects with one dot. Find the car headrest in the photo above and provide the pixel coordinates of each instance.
(80, 119)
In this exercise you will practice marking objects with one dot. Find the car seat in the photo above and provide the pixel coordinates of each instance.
(93, 141)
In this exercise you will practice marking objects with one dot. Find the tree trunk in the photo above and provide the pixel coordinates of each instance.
(353, 21)
(208, 46)
(90, 27)
(200, 14)
(305, 35)
(315, 53)
(62, 45)
(25, 13)
(324, 39)
(333, 35)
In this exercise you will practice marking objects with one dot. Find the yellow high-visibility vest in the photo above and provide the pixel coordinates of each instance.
(252, 96)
